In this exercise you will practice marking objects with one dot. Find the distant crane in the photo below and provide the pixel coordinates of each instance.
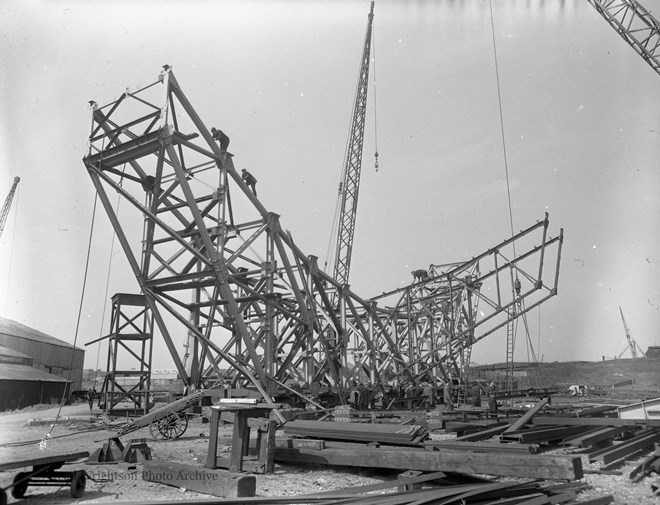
(350, 184)
(7, 205)
(632, 345)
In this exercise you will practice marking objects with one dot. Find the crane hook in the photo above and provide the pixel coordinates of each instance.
(376, 164)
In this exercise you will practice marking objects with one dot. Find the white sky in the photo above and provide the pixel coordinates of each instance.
(581, 117)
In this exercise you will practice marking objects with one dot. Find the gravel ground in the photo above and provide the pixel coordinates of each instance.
(123, 483)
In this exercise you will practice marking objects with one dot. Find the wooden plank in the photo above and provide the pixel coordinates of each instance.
(196, 478)
(500, 464)
(44, 460)
(525, 419)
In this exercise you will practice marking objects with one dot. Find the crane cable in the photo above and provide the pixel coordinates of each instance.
(373, 74)
(11, 246)
(499, 100)
(107, 281)
(330, 250)
(515, 282)
(44, 441)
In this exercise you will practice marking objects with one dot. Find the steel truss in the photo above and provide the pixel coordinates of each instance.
(214, 265)
(635, 25)
(130, 335)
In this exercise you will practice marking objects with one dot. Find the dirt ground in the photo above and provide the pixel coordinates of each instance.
(113, 483)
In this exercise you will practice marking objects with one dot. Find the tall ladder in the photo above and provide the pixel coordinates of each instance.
(511, 330)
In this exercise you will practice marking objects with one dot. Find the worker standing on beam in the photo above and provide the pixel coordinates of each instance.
(221, 138)
(250, 180)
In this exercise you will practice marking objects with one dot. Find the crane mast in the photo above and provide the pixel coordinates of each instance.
(632, 345)
(350, 185)
(7, 205)
(635, 25)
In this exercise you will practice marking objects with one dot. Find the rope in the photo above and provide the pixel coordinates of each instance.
(499, 100)
(107, 285)
(44, 441)
(75, 338)
(515, 281)
(373, 46)
(11, 247)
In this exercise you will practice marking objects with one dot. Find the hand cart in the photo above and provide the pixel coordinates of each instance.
(44, 474)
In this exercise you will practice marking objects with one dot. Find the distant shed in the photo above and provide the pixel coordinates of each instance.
(48, 353)
(653, 351)
(22, 386)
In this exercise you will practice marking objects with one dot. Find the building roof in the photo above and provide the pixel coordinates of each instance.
(16, 329)
(6, 351)
(27, 373)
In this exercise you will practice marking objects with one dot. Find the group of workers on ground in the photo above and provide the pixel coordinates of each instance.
(424, 395)
(223, 140)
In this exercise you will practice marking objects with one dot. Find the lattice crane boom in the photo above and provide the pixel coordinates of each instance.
(632, 345)
(352, 166)
(7, 205)
(635, 25)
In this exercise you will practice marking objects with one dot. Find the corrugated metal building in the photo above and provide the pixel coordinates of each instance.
(23, 385)
(48, 354)
(12, 357)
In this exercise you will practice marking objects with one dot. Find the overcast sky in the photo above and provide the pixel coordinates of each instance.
(581, 113)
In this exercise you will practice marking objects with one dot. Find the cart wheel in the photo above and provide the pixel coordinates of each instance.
(19, 488)
(171, 426)
(78, 481)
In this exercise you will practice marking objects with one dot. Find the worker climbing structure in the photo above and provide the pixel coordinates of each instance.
(218, 270)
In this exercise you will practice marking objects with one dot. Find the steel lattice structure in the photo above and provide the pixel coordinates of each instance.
(350, 186)
(214, 265)
(7, 205)
(635, 25)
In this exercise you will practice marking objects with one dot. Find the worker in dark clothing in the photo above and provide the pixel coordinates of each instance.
(448, 395)
(91, 392)
(475, 395)
(250, 180)
(409, 393)
(429, 394)
(363, 403)
(419, 275)
(221, 138)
